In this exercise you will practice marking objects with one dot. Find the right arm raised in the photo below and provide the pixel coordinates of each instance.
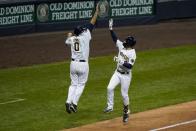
(94, 19)
(116, 40)
(113, 35)
(91, 25)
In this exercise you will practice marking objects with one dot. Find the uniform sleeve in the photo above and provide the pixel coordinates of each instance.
(90, 27)
(87, 34)
(113, 35)
(119, 44)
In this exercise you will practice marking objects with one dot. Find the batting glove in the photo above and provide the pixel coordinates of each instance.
(111, 24)
(115, 58)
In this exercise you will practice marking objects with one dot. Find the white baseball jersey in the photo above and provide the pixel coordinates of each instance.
(125, 55)
(80, 45)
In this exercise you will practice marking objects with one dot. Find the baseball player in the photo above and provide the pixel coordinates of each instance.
(122, 75)
(79, 67)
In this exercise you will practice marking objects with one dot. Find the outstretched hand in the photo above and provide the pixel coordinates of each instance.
(94, 19)
(97, 8)
(111, 24)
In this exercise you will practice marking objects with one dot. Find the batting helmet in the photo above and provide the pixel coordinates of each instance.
(129, 42)
(78, 30)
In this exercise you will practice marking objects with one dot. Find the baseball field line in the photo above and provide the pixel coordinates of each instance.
(175, 125)
(12, 101)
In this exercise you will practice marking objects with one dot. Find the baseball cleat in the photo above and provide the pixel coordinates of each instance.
(73, 108)
(126, 112)
(107, 110)
(68, 109)
(125, 117)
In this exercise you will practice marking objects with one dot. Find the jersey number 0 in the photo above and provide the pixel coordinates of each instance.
(77, 45)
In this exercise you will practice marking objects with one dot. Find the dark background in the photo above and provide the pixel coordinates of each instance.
(171, 9)
(174, 24)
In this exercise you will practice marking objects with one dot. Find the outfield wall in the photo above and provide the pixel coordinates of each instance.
(172, 9)
(29, 16)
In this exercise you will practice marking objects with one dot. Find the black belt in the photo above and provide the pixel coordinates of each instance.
(78, 60)
(122, 72)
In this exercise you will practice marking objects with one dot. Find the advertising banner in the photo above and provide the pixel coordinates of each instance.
(67, 11)
(17, 15)
(46, 15)
(73, 11)
(127, 8)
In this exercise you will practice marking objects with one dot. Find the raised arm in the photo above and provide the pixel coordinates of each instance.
(113, 35)
(94, 18)
(91, 25)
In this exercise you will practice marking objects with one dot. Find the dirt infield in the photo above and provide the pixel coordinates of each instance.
(172, 118)
(49, 47)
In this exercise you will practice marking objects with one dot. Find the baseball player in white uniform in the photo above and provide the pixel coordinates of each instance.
(79, 67)
(123, 73)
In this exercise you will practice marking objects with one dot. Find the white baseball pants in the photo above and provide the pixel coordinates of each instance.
(124, 80)
(79, 75)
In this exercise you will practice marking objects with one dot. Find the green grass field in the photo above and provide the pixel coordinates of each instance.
(160, 77)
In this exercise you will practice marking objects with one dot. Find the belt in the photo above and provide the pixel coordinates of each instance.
(78, 60)
(121, 72)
